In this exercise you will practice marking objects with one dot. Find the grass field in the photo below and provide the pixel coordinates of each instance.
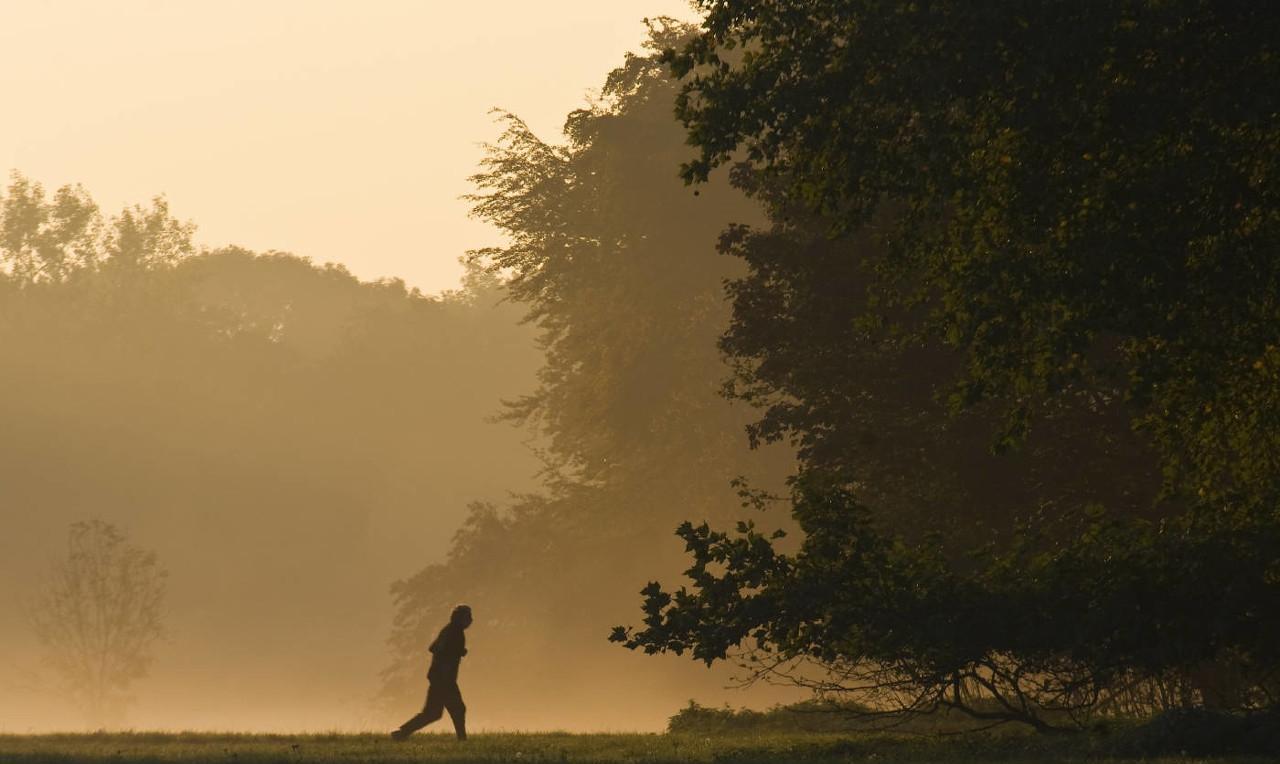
(550, 748)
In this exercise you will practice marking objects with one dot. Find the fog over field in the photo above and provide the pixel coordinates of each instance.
(718, 367)
(289, 441)
(284, 466)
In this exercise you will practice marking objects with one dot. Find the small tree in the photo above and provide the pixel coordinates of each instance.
(98, 616)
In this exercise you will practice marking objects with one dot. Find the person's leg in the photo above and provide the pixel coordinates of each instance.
(432, 710)
(457, 711)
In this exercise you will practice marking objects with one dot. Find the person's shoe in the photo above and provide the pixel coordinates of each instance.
(400, 735)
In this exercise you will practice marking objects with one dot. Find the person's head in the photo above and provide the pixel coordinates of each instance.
(461, 615)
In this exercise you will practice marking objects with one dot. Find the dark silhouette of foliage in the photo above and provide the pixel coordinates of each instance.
(863, 403)
(1077, 199)
(1048, 634)
(1202, 732)
(1056, 224)
(614, 263)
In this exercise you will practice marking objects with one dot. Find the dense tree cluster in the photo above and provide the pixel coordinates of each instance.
(1050, 231)
(1078, 200)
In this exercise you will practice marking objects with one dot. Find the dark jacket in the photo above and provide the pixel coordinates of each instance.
(446, 654)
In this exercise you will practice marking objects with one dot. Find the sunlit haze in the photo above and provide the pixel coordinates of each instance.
(291, 440)
(456, 374)
(339, 131)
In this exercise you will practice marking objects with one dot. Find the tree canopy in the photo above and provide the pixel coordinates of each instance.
(1050, 231)
(1080, 200)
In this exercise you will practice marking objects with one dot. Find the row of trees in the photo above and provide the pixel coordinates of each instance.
(1019, 279)
(283, 435)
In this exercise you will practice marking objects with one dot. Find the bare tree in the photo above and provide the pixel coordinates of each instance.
(99, 615)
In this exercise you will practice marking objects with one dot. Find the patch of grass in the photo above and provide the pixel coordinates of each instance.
(548, 748)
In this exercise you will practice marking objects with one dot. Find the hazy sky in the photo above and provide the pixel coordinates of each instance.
(343, 131)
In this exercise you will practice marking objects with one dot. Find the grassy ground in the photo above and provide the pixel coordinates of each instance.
(552, 748)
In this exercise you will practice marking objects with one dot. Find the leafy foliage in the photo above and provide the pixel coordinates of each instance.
(1063, 219)
(1075, 198)
(863, 403)
(47, 241)
(1045, 636)
(615, 265)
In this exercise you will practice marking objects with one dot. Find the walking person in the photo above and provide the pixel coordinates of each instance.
(442, 689)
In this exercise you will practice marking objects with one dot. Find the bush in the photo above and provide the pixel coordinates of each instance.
(1203, 732)
(808, 716)
(817, 716)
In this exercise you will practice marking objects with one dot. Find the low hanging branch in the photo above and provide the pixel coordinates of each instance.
(1042, 635)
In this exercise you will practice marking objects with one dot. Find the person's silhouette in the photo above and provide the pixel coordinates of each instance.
(442, 689)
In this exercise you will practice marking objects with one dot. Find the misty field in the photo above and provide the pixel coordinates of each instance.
(548, 747)
(887, 381)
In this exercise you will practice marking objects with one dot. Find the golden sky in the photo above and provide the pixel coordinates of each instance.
(343, 131)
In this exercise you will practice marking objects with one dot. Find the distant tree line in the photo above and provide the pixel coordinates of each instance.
(279, 432)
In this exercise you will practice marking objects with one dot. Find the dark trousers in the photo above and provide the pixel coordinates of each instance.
(441, 697)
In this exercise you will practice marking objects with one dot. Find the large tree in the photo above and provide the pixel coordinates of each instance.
(1079, 199)
(1061, 222)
